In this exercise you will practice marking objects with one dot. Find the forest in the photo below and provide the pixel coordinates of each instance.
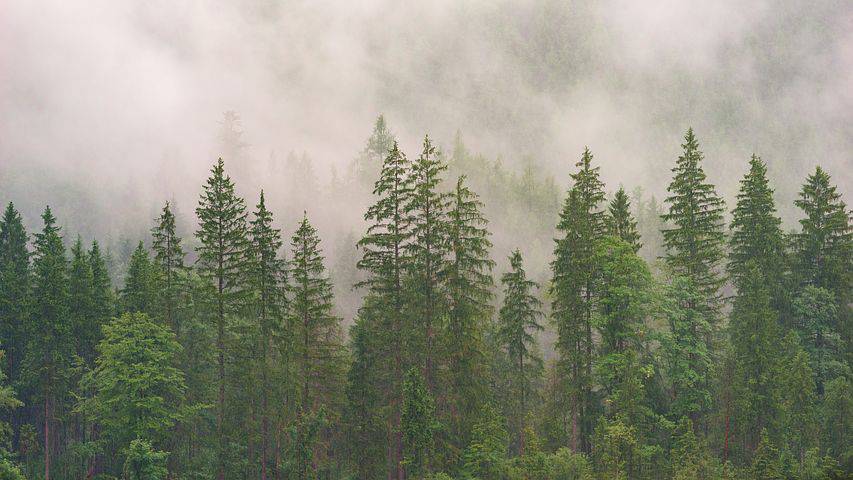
(685, 338)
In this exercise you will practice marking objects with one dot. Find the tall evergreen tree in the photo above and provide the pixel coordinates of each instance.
(268, 277)
(81, 304)
(168, 263)
(468, 282)
(14, 290)
(319, 343)
(428, 249)
(694, 242)
(50, 346)
(519, 322)
(757, 234)
(582, 224)
(825, 244)
(379, 145)
(103, 301)
(222, 260)
(419, 424)
(755, 340)
(138, 294)
(386, 262)
(620, 221)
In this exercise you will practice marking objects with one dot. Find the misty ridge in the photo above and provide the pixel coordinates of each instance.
(437, 241)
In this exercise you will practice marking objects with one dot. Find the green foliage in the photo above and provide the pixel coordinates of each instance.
(15, 281)
(620, 221)
(694, 242)
(168, 266)
(138, 294)
(816, 319)
(518, 323)
(138, 391)
(767, 462)
(10, 471)
(418, 424)
(582, 223)
(485, 455)
(144, 463)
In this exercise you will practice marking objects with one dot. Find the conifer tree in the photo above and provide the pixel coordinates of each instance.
(222, 260)
(427, 250)
(694, 242)
(468, 282)
(582, 224)
(621, 222)
(825, 244)
(755, 340)
(50, 346)
(138, 390)
(81, 304)
(14, 290)
(419, 424)
(519, 322)
(815, 313)
(385, 261)
(138, 294)
(379, 145)
(103, 301)
(168, 263)
(318, 344)
(268, 277)
(757, 234)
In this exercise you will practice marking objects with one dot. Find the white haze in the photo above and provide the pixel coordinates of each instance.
(108, 108)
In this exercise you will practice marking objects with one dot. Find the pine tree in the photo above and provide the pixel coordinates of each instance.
(81, 304)
(468, 283)
(138, 390)
(755, 339)
(485, 455)
(815, 313)
(379, 145)
(825, 244)
(168, 263)
(318, 343)
(582, 224)
(14, 290)
(50, 347)
(268, 277)
(419, 424)
(694, 243)
(767, 464)
(621, 222)
(222, 261)
(386, 263)
(519, 321)
(138, 294)
(103, 301)
(428, 249)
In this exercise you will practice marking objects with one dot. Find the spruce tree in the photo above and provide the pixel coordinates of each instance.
(419, 425)
(519, 322)
(138, 294)
(427, 213)
(168, 263)
(468, 283)
(757, 235)
(620, 221)
(582, 224)
(14, 290)
(82, 304)
(695, 239)
(379, 145)
(385, 262)
(268, 278)
(221, 261)
(755, 340)
(51, 346)
(318, 337)
(103, 301)
(825, 244)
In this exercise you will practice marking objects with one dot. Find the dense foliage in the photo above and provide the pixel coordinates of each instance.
(730, 358)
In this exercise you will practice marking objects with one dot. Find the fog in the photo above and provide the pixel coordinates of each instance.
(109, 108)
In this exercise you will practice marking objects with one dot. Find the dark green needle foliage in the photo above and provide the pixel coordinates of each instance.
(621, 222)
(419, 425)
(519, 322)
(138, 294)
(169, 268)
(14, 290)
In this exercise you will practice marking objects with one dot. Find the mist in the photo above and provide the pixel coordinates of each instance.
(108, 109)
